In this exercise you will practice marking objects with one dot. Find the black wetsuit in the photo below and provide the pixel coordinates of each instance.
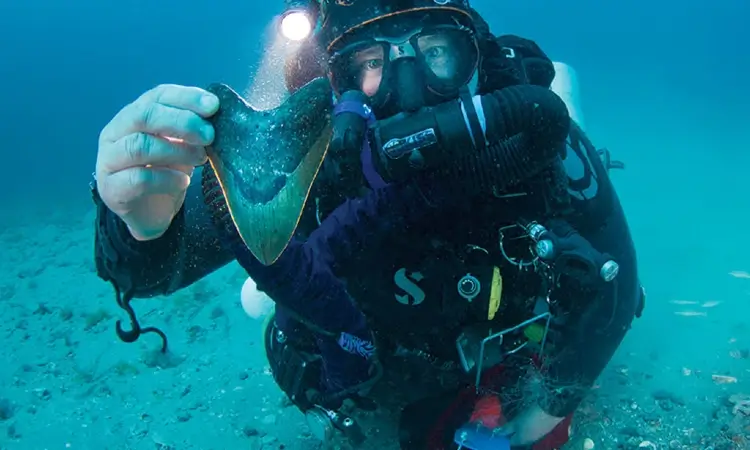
(394, 220)
(191, 249)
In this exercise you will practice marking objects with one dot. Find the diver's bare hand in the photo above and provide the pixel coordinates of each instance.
(147, 154)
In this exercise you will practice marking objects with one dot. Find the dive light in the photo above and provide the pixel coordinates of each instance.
(299, 19)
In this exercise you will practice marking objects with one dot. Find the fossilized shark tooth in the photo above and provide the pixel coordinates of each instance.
(267, 161)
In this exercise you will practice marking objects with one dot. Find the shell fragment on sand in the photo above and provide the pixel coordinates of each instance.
(723, 379)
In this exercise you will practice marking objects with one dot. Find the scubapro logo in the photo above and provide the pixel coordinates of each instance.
(408, 283)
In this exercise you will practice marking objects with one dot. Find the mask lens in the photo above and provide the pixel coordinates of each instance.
(360, 67)
(448, 56)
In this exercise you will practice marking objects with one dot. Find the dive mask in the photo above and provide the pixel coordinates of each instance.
(405, 71)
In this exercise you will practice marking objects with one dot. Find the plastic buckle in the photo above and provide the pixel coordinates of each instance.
(478, 437)
(606, 156)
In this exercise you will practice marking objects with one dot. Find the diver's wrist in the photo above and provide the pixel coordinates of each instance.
(454, 131)
(405, 144)
(430, 138)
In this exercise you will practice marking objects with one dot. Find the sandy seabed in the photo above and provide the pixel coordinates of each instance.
(68, 383)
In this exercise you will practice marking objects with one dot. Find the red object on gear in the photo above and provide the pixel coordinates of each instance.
(489, 411)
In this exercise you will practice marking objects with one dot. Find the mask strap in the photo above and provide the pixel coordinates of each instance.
(368, 169)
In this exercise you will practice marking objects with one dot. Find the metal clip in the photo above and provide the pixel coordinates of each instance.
(518, 262)
(322, 423)
(476, 362)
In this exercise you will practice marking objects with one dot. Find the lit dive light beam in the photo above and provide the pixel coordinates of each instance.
(267, 86)
(296, 25)
(297, 21)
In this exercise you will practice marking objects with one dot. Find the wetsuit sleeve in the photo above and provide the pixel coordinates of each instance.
(303, 280)
(596, 327)
(363, 222)
(187, 252)
(306, 268)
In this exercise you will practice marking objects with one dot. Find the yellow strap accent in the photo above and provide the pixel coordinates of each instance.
(496, 293)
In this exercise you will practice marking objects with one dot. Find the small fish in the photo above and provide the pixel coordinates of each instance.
(683, 302)
(723, 379)
(740, 274)
(686, 372)
(691, 313)
(710, 304)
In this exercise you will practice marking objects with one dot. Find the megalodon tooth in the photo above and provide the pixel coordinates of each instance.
(266, 162)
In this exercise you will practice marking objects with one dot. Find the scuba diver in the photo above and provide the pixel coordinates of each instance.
(496, 253)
